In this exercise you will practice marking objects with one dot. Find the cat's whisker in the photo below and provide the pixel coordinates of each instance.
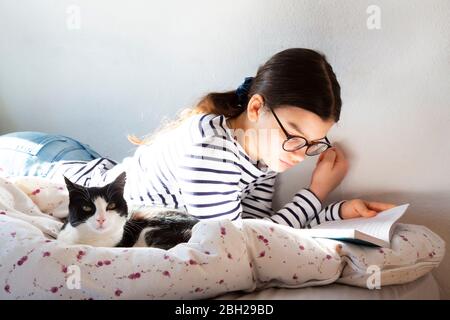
(83, 195)
(133, 226)
(113, 194)
(88, 195)
(125, 227)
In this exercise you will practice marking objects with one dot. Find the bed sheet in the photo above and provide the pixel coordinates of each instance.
(424, 288)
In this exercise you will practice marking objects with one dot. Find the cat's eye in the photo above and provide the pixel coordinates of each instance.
(111, 206)
(87, 208)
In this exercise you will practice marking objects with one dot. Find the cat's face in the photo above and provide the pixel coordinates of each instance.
(100, 209)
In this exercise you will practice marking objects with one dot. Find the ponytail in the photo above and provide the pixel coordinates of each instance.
(223, 103)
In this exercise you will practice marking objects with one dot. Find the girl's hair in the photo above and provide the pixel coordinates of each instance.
(295, 77)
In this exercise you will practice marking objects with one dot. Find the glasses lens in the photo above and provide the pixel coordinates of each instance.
(316, 149)
(293, 144)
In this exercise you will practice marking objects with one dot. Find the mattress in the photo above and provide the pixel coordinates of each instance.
(424, 288)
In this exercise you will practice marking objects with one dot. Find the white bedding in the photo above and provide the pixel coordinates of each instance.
(222, 256)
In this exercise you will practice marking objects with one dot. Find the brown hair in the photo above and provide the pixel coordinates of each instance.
(295, 77)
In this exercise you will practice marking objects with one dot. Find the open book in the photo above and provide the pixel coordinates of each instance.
(375, 231)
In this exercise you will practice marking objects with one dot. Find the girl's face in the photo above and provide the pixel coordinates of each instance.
(269, 137)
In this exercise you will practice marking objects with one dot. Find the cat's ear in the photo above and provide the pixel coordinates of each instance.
(120, 180)
(70, 185)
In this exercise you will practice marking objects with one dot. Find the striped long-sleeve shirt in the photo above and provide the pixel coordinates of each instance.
(201, 168)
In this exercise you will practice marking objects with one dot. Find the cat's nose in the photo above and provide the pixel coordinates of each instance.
(100, 220)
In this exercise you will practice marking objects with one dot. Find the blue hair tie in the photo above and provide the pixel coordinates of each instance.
(242, 91)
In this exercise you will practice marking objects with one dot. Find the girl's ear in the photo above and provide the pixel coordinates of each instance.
(255, 107)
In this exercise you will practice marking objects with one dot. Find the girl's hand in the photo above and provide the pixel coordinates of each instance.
(330, 170)
(359, 208)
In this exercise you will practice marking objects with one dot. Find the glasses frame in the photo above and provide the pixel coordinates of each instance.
(307, 143)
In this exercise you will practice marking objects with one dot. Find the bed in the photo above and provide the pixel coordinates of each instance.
(424, 288)
(224, 259)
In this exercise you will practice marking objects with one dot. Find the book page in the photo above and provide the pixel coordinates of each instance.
(378, 226)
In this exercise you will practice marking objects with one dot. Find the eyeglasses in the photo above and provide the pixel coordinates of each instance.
(294, 143)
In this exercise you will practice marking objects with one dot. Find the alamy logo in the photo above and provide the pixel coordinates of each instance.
(374, 19)
(374, 280)
(74, 279)
(73, 20)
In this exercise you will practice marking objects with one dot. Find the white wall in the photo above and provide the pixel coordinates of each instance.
(133, 62)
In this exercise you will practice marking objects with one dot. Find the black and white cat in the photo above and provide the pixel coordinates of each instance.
(99, 216)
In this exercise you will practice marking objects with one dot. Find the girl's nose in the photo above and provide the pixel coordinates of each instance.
(298, 155)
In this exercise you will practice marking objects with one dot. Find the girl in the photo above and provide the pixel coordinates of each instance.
(219, 160)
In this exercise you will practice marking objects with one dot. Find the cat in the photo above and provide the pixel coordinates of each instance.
(99, 216)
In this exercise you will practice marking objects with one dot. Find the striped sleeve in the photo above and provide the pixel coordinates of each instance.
(305, 210)
(258, 203)
(208, 178)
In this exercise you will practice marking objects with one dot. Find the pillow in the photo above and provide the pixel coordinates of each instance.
(415, 251)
